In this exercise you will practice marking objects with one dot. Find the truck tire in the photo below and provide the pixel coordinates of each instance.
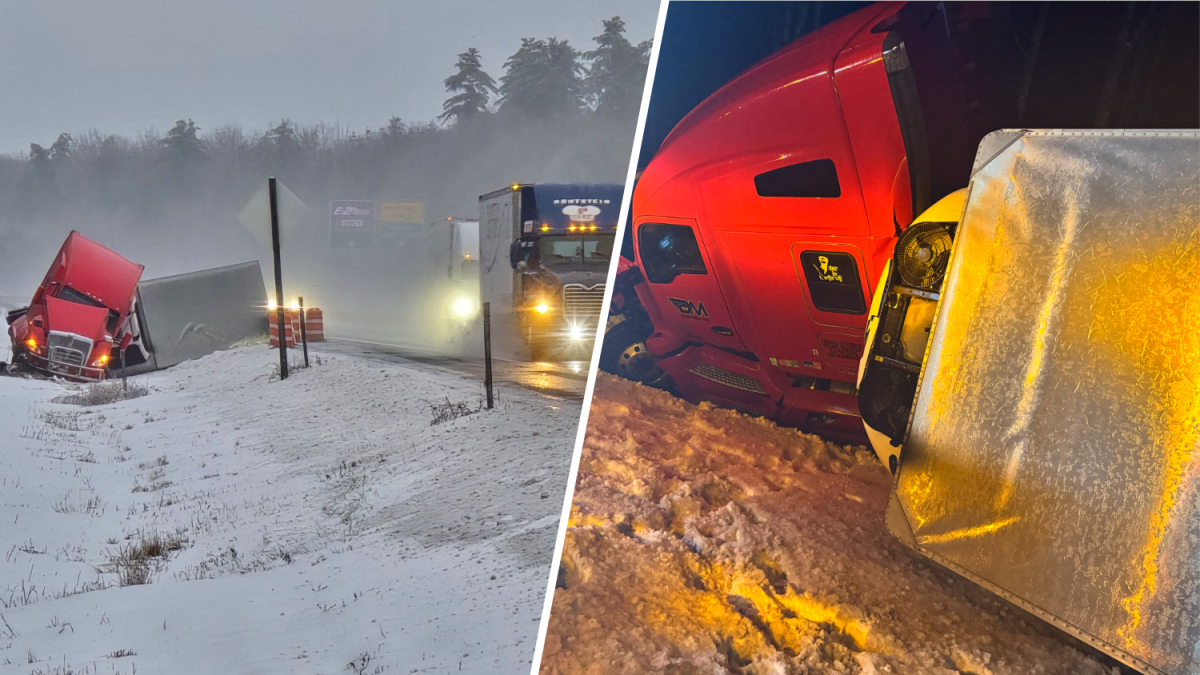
(624, 354)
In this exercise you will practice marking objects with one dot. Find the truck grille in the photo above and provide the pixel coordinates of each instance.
(580, 300)
(68, 349)
(728, 378)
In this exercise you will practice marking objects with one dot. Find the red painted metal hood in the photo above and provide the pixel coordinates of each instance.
(72, 317)
(812, 55)
(761, 107)
(96, 271)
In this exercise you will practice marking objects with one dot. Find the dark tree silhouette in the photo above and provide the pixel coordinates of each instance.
(543, 79)
(283, 137)
(394, 128)
(60, 151)
(182, 144)
(41, 179)
(618, 70)
(38, 154)
(472, 89)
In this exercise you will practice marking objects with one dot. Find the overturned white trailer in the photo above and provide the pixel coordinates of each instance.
(1051, 451)
(190, 315)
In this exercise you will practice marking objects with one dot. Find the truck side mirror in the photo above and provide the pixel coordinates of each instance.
(629, 278)
(514, 253)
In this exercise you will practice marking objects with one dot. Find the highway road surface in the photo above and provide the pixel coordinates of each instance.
(562, 380)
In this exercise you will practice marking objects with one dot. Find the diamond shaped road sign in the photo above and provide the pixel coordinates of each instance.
(256, 215)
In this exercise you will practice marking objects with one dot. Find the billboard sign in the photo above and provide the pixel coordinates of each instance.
(351, 223)
(411, 213)
(397, 218)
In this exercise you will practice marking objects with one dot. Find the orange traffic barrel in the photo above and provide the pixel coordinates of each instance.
(314, 324)
(290, 328)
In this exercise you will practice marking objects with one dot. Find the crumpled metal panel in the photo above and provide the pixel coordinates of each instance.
(1054, 449)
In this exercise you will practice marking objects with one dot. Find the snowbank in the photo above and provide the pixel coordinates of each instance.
(705, 541)
(318, 525)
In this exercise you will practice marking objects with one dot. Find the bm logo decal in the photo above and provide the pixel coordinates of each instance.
(827, 272)
(690, 310)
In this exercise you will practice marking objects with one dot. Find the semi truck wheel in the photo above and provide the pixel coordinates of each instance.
(624, 354)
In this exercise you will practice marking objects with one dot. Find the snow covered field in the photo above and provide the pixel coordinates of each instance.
(227, 522)
(704, 541)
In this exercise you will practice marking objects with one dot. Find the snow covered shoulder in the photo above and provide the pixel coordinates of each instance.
(358, 517)
(705, 541)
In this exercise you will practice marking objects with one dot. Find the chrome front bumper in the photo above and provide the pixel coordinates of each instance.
(66, 356)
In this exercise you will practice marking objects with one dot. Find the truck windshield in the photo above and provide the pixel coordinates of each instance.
(73, 295)
(575, 250)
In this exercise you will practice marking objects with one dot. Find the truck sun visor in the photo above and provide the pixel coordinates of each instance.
(668, 251)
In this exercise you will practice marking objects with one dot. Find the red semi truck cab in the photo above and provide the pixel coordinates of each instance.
(78, 320)
(761, 225)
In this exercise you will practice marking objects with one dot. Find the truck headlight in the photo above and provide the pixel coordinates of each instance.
(575, 332)
(35, 343)
(463, 307)
(541, 308)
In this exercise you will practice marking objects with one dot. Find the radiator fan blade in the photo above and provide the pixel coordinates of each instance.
(923, 254)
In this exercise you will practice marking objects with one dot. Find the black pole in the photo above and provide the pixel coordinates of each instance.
(283, 363)
(487, 351)
(303, 331)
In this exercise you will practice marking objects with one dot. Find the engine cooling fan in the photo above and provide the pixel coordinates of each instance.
(923, 254)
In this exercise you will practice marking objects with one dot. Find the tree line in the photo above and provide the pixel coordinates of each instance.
(555, 113)
(548, 78)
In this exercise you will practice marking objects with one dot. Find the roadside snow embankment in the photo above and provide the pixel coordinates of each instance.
(705, 541)
(228, 522)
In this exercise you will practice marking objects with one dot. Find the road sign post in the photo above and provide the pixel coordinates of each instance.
(303, 331)
(283, 362)
(487, 351)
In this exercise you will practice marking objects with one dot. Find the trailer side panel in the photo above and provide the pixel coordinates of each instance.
(1054, 448)
(195, 314)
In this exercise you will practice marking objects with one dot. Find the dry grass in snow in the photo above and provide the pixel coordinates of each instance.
(227, 522)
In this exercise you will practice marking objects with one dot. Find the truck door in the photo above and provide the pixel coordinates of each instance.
(679, 271)
(836, 286)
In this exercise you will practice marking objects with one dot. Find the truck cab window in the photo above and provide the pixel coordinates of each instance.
(600, 249)
(668, 251)
(562, 250)
(75, 296)
(815, 179)
(833, 281)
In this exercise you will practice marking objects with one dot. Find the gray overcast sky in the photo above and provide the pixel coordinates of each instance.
(125, 66)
